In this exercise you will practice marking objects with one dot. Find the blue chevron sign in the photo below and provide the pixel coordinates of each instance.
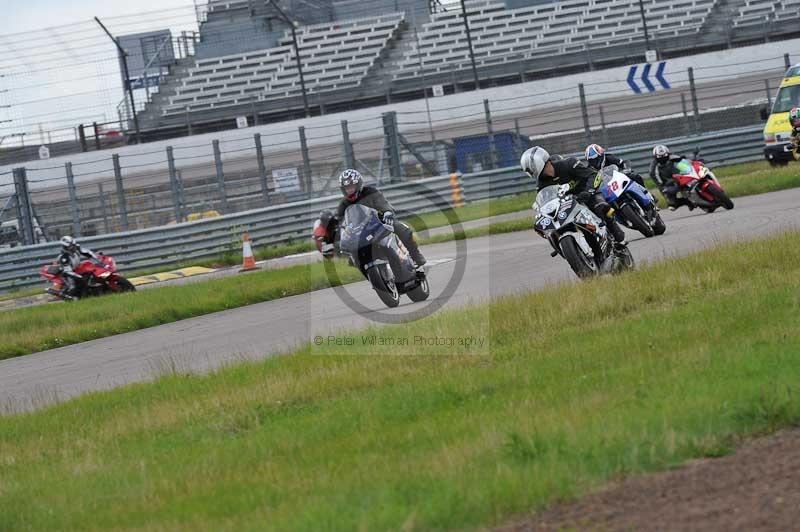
(645, 78)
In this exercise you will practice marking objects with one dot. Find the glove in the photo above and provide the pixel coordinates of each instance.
(388, 219)
(584, 196)
(327, 250)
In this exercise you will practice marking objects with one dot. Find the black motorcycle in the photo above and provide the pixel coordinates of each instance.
(380, 256)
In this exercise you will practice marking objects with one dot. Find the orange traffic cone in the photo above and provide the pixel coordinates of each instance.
(248, 263)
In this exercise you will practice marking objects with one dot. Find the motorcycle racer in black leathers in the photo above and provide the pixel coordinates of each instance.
(538, 164)
(353, 189)
(598, 158)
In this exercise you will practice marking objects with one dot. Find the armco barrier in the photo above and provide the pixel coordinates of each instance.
(162, 246)
(724, 147)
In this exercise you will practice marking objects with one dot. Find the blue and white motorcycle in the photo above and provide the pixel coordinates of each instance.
(634, 205)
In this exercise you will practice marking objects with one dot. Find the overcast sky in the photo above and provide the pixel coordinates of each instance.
(23, 15)
(57, 67)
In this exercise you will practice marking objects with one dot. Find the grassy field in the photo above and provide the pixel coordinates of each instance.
(576, 386)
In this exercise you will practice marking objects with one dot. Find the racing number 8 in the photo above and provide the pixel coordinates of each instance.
(614, 185)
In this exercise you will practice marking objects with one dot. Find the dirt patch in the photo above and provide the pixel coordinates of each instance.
(755, 489)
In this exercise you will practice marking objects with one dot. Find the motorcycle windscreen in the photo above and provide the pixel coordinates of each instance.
(613, 183)
(683, 167)
(360, 227)
(546, 203)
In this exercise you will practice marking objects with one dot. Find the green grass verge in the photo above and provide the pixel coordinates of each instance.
(27, 330)
(579, 385)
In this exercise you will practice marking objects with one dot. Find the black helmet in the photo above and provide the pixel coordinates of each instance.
(351, 182)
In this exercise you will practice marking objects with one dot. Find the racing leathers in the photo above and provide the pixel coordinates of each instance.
(624, 166)
(69, 260)
(373, 198)
(662, 172)
(795, 142)
(580, 178)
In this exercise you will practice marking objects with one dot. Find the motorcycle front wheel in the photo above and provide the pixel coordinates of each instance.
(125, 285)
(659, 227)
(386, 289)
(720, 196)
(421, 292)
(636, 220)
(582, 265)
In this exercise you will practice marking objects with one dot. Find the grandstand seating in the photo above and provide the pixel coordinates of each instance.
(757, 12)
(258, 66)
(335, 55)
(502, 35)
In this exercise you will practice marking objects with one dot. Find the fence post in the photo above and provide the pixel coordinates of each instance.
(188, 123)
(255, 113)
(102, 194)
(82, 138)
(24, 214)
(769, 94)
(262, 168)
(96, 137)
(786, 61)
(493, 155)
(392, 144)
(349, 157)
(585, 113)
(306, 160)
(177, 192)
(695, 107)
(518, 137)
(604, 131)
(687, 125)
(123, 206)
(220, 177)
(73, 200)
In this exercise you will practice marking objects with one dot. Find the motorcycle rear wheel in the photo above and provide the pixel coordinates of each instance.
(386, 290)
(583, 266)
(636, 220)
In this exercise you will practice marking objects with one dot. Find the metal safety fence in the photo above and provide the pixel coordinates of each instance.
(151, 185)
(279, 224)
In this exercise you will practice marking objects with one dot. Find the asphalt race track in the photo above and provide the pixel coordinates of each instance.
(493, 266)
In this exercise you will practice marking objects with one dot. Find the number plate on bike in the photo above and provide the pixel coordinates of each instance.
(617, 184)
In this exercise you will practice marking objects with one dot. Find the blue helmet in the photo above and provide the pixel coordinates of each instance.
(595, 156)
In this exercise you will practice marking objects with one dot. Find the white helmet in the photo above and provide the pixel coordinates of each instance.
(68, 243)
(533, 161)
(661, 152)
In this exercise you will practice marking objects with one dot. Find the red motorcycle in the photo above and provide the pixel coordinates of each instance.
(99, 277)
(699, 186)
